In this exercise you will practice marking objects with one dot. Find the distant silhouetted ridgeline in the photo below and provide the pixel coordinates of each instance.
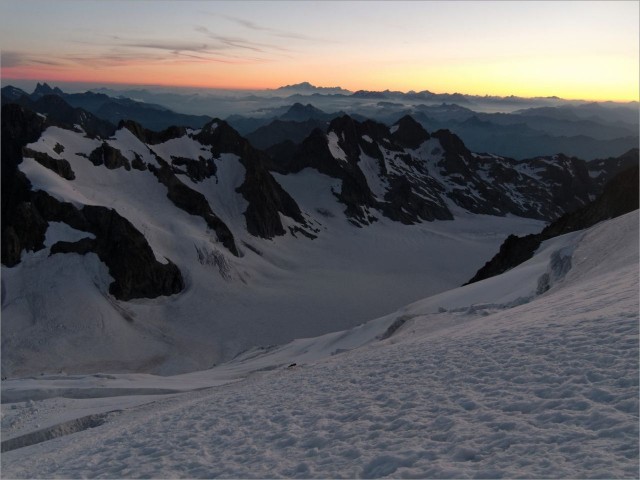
(527, 127)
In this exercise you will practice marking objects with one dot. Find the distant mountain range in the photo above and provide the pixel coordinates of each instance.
(587, 131)
(523, 128)
(509, 126)
(111, 109)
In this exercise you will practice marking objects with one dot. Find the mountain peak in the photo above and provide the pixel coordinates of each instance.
(44, 89)
(299, 112)
(308, 88)
(301, 85)
(408, 133)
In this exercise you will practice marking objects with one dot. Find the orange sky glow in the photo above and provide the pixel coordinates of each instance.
(574, 50)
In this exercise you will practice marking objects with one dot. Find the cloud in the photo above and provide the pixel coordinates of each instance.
(169, 46)
(12, 59)
(261, 28)
(124, 58)
(105, 51)
(231, 42)
(126, 51)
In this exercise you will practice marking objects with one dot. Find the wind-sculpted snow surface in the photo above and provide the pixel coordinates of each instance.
(548, 388)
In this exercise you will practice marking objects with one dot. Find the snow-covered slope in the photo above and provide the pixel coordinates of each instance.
(501, 378)
(253, 269)
(172, 251)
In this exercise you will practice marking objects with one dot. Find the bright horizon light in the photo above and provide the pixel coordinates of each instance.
(573, 50)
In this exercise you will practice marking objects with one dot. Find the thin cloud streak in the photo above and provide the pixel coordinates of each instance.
(15, 60)
(239, 42)
(218, 45)
(260, 28)
(11, 59)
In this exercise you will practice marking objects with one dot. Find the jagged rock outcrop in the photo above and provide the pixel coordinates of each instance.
(122, 248)
(409, 175)
(351, 147)
(59, 166)
(196, 170)
(43, 89)
(22, 228)
(151, 137)
(266, 198)
(26, 215)
(316, 152)
(620, 196)
(110, 157)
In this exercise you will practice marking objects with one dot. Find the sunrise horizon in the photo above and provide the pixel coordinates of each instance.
(83, 85)
(571, 50)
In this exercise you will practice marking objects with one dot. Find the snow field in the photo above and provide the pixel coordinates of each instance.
(294, 288)
(548, 388)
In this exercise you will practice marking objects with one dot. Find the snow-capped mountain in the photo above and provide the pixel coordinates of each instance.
(408, 175)
(171, 251)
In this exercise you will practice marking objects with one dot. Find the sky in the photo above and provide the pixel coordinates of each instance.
(575, 50)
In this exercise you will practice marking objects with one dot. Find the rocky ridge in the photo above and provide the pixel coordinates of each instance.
(620, 196)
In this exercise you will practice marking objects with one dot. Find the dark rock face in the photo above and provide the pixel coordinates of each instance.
(25, 231)
(110, 157)
(266, 198)
(137, 163)
(604, 170)
(405, 205)
(513, 251)
(620, 196)
(314, 153)
(22, 228)
(264, 194)
(59, 166)
(122, 248)
(196, 170)
(193, 203)
(129, 257)
(151, 137)
(26, 216)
